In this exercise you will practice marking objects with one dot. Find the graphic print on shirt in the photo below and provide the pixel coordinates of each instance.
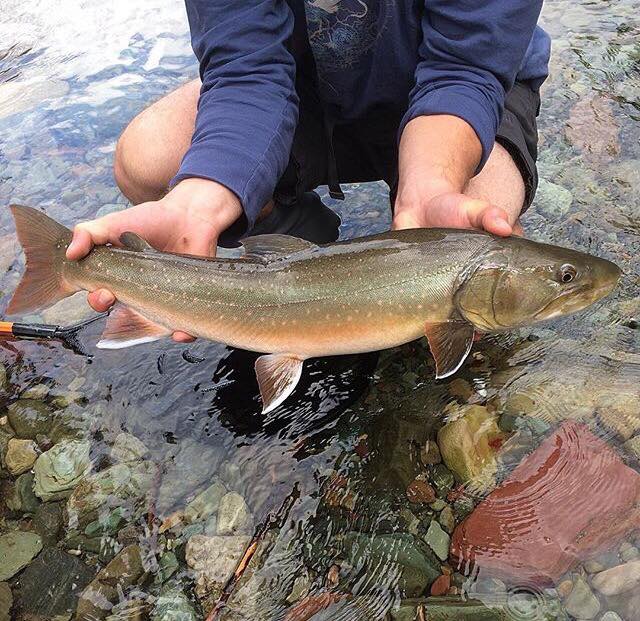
(341, 32)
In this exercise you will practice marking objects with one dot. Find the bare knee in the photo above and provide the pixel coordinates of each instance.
(149, 151)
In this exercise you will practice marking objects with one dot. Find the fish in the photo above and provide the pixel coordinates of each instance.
(292, 300)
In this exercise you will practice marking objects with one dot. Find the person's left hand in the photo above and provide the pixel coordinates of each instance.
(454, 210)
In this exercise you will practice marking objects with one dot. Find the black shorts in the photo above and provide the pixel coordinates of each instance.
(366, 150)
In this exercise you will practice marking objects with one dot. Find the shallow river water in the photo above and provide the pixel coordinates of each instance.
(133, 483)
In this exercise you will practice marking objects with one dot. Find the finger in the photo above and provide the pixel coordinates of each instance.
(101, 300)
(80, 245)
(517, 229)
(404, 220)
(204, 246)
(182, 337)
(86, 235)
(495, 220)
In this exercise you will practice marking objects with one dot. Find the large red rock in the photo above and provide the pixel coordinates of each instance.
(571, 499)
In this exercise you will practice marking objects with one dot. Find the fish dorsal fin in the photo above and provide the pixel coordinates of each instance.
(450, 343)
(126, 327)
(278, 375)
(133, 241)
(272, 246)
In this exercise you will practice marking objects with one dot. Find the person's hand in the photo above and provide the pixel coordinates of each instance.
(455, 210)
(187, 220)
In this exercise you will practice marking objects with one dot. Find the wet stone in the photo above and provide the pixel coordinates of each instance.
(127, 447)
(20, 455)
(28, 418)
(581, 602)
(60, 469)
(52, 583)
(233, 515)
(447, 519)
(38, 392)
(300, 588)
(438, 540)
(629, 552)
(23, 499)
(205, 504)
(611, 616)
(47, 522)
(618, 579)
(6, 601)
(173, 605)
(419, 492)
(442, 479)
(430, 453)
(17, 549)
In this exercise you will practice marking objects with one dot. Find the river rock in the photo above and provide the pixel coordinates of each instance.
(38, 392)
(29, 418)
(430, 453)
(205, 504)
(581, 602)
(173, 605)
(557, 508)
(419, 492)
(127, 447)
(99, 597)
(111, 488)
(51, 585)
(234, 517)
(618, 579)
(416, 565)
(16, 551)
(611, 616)
(592, 127)
(60, 469)
(468, 445)
(23, 499)
(213, 560)
(6, 601)
(437, 540)
(47, 522)
(552, 199)
(20, 455)
(447, 519)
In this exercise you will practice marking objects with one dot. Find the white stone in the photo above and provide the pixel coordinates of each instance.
(618, 579)
(234, 516)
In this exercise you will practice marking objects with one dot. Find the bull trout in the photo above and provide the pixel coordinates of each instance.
(294, 300)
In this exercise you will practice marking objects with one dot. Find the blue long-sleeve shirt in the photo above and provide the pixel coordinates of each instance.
(412, 57)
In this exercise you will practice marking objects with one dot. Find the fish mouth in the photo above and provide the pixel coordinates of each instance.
(574, 300)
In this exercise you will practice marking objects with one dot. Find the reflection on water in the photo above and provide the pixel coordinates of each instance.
(133, 484)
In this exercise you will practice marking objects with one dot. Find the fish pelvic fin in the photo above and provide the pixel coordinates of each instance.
(126, 327)
(44, 242)
(450, 343)
(278, 375)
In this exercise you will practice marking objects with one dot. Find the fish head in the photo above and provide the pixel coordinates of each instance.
(520, 282)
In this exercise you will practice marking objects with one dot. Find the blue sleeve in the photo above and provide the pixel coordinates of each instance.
(248, 105)
(470, 54)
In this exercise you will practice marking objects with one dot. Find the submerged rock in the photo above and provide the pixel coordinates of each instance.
(60, 469)
(468, 445)
(205, 504)
(51, 585)
(23, 499)
(173, 605)
(571, 499)
(437, 540)
(17, 549)
(234, 517)
(213, 560)
(401, 555)
(581, 602)
(128, 448)
(618, 579)
(47, 522)
(29, 418)
(6, 601)
(20, 455)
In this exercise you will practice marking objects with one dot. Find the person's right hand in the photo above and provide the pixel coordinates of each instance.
(188, 220)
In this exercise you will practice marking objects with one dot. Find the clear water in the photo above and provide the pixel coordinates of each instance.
(341, 456)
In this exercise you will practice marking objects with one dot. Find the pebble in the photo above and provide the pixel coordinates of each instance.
(441, 586)
(617, 579)
(60, 469)
(438, 540)
(17, 549)
(128, 448)
(20, 455)
(205, 504)
(442, 479)
(430, 453)
(628, 552)
(6, 601)
(300, 588)
(234, 517)
(173, 605)
(593, 567)
(581, 602)
(611, 616)
(419, 491)
(214, 559)
(564, 588)
(38, 392)
(47, 522)
(447, 519)
(28, 418)
(23, 499)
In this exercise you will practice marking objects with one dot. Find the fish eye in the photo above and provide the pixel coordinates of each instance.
(567, 273)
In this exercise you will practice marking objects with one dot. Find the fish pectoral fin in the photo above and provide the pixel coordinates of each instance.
(126, 327)
(273, 246)
(278, 375)
(450, 343)
(133, 241)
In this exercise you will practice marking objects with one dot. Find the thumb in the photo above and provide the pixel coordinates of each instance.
(202, 245)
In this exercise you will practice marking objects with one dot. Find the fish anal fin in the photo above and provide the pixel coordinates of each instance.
(450, 343)
(273, 246)
(278, 375)
(126, 327)
(133, 241)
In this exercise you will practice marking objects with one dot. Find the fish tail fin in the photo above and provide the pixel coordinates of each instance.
(44, 242)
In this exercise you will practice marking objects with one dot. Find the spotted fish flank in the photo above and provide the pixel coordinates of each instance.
(294, 300)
